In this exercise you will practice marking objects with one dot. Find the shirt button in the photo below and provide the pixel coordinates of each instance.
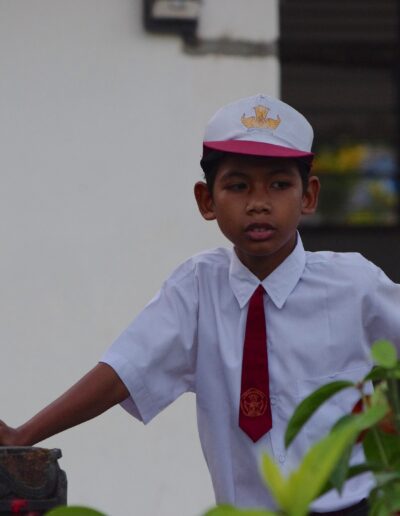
(282, 458)
(272, 399)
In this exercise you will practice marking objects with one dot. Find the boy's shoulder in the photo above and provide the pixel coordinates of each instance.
(336, 256)
(216, 260)
(346, 264)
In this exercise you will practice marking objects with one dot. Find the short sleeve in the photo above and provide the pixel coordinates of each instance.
(382, 309)
(155, 356)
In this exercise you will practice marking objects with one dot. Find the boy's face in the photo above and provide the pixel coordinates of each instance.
(257, 203)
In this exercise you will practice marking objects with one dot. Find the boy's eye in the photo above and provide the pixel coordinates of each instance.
(280, 185)
(236, 187)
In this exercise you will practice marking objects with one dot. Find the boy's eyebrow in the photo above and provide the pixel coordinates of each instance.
(286, 171)
(233, 173)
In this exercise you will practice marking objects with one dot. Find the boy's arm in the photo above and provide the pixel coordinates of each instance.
(97, 391)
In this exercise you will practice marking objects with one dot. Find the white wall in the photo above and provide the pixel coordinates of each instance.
(100, 138)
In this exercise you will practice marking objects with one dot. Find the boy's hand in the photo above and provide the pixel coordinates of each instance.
(8, 436)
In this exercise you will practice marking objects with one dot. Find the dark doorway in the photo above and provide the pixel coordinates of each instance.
(339, 66)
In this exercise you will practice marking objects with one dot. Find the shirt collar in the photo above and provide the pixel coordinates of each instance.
(278, 285)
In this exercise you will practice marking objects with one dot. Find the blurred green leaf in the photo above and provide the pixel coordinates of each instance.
(379, 396)
(370, 449)
(340, 473)
(387, 477)
(306, 484)
(396, 371)
(353, 471)
(394, 398)
(392, 494)
(274, 479)
(343, 421)
(309, 405)
(384, 354)
(377, 373)
(372, 415)
(74, 511)
(390, 444)
(379, 508)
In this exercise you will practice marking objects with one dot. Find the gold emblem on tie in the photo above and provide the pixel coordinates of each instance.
(253, 403)
(260, 120)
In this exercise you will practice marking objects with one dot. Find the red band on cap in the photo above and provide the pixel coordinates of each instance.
(253, 148)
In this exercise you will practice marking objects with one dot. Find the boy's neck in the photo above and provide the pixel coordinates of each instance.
(263, 266)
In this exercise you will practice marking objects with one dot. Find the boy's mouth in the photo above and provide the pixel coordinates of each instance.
(258, 231)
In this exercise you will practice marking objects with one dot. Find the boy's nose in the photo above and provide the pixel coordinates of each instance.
(258, 204)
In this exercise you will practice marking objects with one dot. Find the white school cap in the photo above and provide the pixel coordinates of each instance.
(259, 126)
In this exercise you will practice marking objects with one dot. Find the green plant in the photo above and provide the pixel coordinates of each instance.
(375, 421)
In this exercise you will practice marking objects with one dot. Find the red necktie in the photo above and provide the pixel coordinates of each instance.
(255, 410)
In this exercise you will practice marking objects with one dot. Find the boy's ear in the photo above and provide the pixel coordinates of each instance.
(204, 200)
(310, 196)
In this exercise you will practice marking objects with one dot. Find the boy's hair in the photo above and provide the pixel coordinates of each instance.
(211, 162)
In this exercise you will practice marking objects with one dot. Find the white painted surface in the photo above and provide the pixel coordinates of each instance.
(250, 20)
(100, 135)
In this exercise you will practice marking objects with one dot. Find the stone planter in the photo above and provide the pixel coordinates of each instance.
(31, 481)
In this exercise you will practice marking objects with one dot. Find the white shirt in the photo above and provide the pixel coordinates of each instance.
(323, 311)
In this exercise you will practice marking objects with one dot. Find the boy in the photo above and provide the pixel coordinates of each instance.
(209, 327)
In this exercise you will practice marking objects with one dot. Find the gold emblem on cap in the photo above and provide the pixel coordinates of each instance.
(260, 120)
